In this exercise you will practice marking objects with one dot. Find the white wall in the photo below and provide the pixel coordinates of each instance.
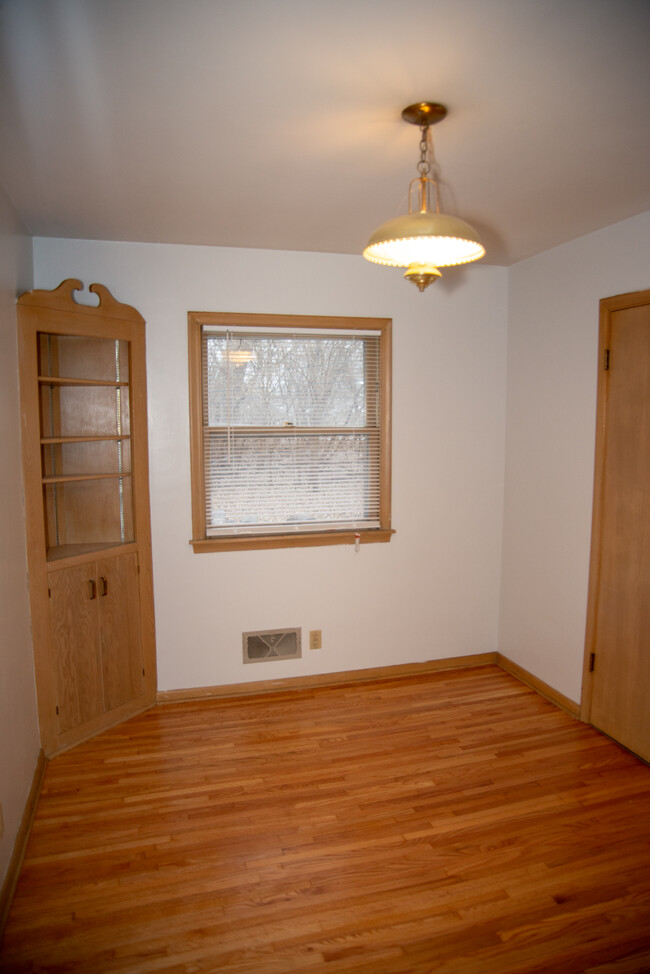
(433, 591)
(19, 738)
(551, 425)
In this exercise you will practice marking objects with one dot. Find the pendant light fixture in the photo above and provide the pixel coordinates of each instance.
(425, 239)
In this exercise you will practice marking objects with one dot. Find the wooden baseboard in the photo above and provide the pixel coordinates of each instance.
(20, 845)
(325, 679)
(373, 673)
(564, 703)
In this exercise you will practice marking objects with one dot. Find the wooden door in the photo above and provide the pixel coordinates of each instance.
(119, 629)
(618, 642)
(74, 625)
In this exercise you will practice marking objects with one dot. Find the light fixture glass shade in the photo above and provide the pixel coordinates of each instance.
(424, 238)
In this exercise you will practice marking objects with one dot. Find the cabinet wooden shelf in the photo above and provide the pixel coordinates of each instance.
(83, 410)
(51, 380)
(72, 477)
(45, 440)
(72, 553)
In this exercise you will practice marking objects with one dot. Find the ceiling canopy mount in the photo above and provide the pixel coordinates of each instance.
(424, 113)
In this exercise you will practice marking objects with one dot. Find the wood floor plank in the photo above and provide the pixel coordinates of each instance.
(453, 822)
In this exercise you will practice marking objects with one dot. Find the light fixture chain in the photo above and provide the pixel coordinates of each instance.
(424, 165)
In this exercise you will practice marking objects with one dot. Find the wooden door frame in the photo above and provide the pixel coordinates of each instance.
(617, 302)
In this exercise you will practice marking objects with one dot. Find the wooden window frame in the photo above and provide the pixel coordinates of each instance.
(256, 322)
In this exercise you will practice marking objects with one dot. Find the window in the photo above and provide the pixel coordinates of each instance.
(290, 430)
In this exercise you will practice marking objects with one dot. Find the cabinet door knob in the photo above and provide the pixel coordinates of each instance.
(104, 582)
(93, 588)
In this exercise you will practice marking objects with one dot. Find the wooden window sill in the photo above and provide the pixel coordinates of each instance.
(318, 538)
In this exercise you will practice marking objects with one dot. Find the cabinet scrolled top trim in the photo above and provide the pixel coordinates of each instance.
(62, 299)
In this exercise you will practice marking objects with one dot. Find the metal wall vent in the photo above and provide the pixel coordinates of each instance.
(273, 644)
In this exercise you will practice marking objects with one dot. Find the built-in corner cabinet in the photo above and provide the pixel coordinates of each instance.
(85, 463)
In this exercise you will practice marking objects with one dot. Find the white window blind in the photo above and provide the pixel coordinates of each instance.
(291, 431)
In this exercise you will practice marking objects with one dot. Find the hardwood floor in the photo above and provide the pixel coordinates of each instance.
(455, 823)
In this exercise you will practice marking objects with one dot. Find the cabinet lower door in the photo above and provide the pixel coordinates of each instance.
(96, 640)
(77, 665)
(120, 637)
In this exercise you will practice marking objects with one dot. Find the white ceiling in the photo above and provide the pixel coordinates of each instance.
(276, 123)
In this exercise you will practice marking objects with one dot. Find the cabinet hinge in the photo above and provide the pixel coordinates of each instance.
(143, 671)
(57, 711)
(592, 662)
(49, 593)
(606, 360)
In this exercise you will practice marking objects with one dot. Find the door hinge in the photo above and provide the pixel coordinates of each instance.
(592, 662)
(606, 360)
(57, 711)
